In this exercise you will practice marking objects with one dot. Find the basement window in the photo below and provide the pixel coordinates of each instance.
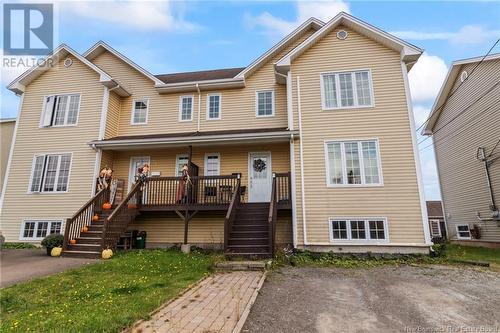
(354, 230)
(463, 232)
(38, 229)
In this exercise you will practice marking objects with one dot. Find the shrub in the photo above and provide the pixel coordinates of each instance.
(438, 250)
(53, 240)
(18, 246)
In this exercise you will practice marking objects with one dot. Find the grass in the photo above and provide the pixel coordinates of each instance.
(103, 297)
(18, 246)
(457, 252)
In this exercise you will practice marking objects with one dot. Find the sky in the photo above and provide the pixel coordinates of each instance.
(177, 36)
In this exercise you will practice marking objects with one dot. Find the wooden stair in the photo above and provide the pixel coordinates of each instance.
(88, 245)
(249, 233)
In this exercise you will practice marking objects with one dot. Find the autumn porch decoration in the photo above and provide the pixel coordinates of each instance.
(84, 229)
(72, 241)
(95, 218)
(106, 206)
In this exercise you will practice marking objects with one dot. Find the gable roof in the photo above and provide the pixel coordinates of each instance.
(18, 85)
(215, 74)
(409, 52)
(312, 22)
(445, 90)
(101, 47)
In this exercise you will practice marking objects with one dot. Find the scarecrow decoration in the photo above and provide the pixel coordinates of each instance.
(184, 182)
(104, 178)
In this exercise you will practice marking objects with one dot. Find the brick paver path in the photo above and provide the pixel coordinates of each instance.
(214, 305)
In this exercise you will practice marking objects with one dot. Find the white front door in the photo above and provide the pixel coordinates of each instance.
(136, 163)
(259, 177)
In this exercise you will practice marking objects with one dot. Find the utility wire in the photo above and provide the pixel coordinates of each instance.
(458, 87)
(461, 112)
(496, 145)
(459, 130)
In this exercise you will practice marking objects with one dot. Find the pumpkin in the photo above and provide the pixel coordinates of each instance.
(84, 229)
(132, 206)
(72, 241)
(106, 254)
(56, 251)
(95, 217)
(106, 206)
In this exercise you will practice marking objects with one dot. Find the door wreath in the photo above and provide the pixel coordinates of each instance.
(259, 165)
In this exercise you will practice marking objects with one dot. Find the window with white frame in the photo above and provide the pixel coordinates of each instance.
(186, 108)
(359, 229)
(353, 163)
(212, 165)
(140, 111)
(181, 160)
(265, 103)
(38, 229)
(50, 173)
(213, 106)
(346, 90)
(463, 232)
(60, 110)
(435, 227)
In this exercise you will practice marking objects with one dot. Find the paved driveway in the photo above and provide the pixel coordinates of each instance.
(384, 299)
(22, 265)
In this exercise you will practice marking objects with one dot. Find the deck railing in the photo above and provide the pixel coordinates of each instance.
(273, 213)
(83, 217)
(283, 188)
(116, 223)
(199, 190)
(231, 212)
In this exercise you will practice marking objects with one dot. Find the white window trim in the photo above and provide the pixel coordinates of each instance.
(439, 227)
(355, 95)
(361, 163)
(44, 103)
(36, 220)
(208, 106)
(257, 103)
(177, 158)
(206, 162)
(368, 240)
(180, 108)
(57, 174)
(458, 233)
(132, 122)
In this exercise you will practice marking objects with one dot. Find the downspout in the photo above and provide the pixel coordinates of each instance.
(495, 214)
(199, 106)
(289, 104)
(302, 189)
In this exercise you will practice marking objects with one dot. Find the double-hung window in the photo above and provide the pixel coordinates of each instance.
(353, 163)
(212, 165)
(186, 108)
(358, 229)
(38, 229)
(213, 106)
(60, 110)
(435, 227)
(50, 173)
(140, 111)
(265, 103)
(346, 90)
(463, 232)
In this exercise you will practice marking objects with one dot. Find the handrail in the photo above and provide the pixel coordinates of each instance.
(231, 212)
(83, 217)
(118, 221)
(273, 215)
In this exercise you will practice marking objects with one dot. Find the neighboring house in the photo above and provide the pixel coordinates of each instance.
(312, 144)
(7, 126)
(465, 128)
(436, 220)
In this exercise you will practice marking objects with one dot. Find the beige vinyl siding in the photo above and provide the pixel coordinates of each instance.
(398, 198)
(31, 140)
(237, 105)
(462, 177)
(113, 116)
(203, 228)
(107, 159)
(6, 137)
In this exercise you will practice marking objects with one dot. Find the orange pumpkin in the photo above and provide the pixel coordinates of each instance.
(72, 241)
(95, 217)
(132, 206)
(106, 206)
(84, 229)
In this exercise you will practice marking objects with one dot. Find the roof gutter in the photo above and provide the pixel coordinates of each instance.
(201, 85)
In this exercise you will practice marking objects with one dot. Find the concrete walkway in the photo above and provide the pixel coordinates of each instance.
(220, 303)
(18, 265)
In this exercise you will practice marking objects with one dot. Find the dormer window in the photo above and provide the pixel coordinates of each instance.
(60, 110)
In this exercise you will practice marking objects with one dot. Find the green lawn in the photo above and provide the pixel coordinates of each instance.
(457, 252)
(103, 297)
